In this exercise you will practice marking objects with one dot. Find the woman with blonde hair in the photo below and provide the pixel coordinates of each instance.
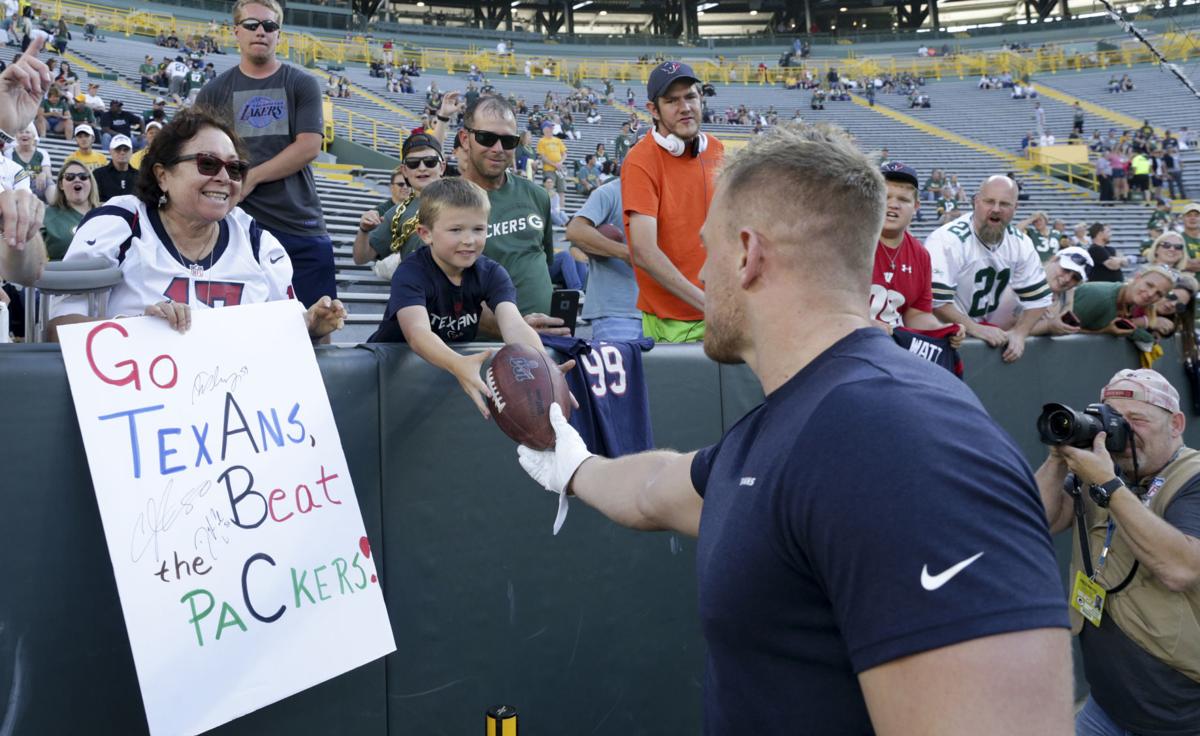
(75, 195)
(1167, 250)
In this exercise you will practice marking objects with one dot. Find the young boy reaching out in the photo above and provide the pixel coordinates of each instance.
(439, 291)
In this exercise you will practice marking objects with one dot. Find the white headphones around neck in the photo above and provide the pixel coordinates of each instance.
(675, 146)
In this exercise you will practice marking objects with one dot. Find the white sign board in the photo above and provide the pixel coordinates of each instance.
(240, 556)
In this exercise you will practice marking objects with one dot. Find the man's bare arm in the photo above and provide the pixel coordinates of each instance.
(583, 234)
(1011, 683)
(643, 245)
(650, 491)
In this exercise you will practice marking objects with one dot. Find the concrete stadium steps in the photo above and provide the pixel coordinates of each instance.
(988, 116)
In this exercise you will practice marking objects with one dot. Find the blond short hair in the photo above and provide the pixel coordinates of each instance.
(809, 186)
(453, 192)
(271, 5)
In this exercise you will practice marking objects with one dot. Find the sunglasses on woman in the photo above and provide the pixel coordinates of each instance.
(208, 165)
(252, 24)
(1171, 246)
(75, 176)
(487, 138)
(429, 162)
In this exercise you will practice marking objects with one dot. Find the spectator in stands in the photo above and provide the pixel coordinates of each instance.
(1139, 181)
(157, 111)
(589, 176)
(82, 113)
(933, 185)
(1120, 173)
(427, 312)
(1191, 235)
(93, 99)
(1107, 263)
(176, 72)
(117, 122)
(1077, 118)
(552, 154)
(1079, 236)
(622, 143)
(34, 161)
(557, 216)
(1109, 307)
(525, 156)
(666, 187)
(611, 304)
(398, 191)
(981, 242)
(1173, 168)
(281, 115)
(84, 153)
(391, 236)
(74, 196)
(1067, 269)
(1046, 240)
(900, 280)
(116, 178)
(148, 72)
(165, 239)
(54, 115)
(1176, 313)
(152, 129)
(1168, 250)
(521, 235)
(1104, 177)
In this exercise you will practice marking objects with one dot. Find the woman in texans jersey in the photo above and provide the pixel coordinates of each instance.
(181, 242)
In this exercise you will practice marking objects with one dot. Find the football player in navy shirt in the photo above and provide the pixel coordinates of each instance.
(873, 555)
(438, 292)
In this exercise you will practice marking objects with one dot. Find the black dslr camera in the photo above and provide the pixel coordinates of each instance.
(1059, 424)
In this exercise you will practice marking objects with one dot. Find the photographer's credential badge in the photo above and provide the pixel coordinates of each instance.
(1088, 598)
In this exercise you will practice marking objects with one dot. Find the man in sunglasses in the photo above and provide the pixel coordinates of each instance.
(520, 235)
(276, 110)
(393, 232)
(666, 187)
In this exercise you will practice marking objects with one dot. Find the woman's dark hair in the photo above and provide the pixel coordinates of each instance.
(169, 143)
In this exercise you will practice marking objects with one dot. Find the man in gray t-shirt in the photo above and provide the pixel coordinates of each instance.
(611, 304)
(276, 110)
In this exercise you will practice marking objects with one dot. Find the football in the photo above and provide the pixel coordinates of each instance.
(524, 382)
(612, 232)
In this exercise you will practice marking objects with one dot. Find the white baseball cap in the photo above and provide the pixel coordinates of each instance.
(118, 141)
(85, 128)
(1076, 259)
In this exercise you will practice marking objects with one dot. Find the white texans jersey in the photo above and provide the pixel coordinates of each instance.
(12, 175)
(973, 276)
(247, 266)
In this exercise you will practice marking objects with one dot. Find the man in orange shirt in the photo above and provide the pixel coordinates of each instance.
(666, 187)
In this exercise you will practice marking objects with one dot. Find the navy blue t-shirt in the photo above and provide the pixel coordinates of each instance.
(453, 310)
(834, 514)
(614, 408)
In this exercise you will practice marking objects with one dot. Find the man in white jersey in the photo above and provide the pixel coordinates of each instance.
(975, 257)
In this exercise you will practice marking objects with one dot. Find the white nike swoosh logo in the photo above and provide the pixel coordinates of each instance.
(933, 582)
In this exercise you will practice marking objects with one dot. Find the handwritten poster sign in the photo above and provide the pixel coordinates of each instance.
(243, 567)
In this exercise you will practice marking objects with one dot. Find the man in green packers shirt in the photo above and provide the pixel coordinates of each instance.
(1191, 235)
(519, 233)
(622, 143)
(1046, 240)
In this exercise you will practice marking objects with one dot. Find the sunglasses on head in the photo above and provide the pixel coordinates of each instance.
(208, 165)
(75, 176)
(429, 162)
(487, 138)
(252, 24)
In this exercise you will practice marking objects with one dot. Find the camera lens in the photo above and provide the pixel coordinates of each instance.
(1061, 425)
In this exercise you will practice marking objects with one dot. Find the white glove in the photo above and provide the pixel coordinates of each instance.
(553, 469)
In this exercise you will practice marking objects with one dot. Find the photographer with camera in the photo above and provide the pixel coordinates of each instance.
(1135, 573)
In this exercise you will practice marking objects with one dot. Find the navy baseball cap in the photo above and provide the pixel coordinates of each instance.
(420, 140)
(664, 75)
(896, 171)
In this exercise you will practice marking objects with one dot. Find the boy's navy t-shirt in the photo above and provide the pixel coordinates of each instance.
(835, 516)
(453, 310)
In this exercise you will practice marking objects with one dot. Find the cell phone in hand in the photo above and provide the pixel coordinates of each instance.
(1070, 319)
(564, 304)
(1125, 324)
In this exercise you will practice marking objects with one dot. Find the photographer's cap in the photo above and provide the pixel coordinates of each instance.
(1144, 385)
(664, 75)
